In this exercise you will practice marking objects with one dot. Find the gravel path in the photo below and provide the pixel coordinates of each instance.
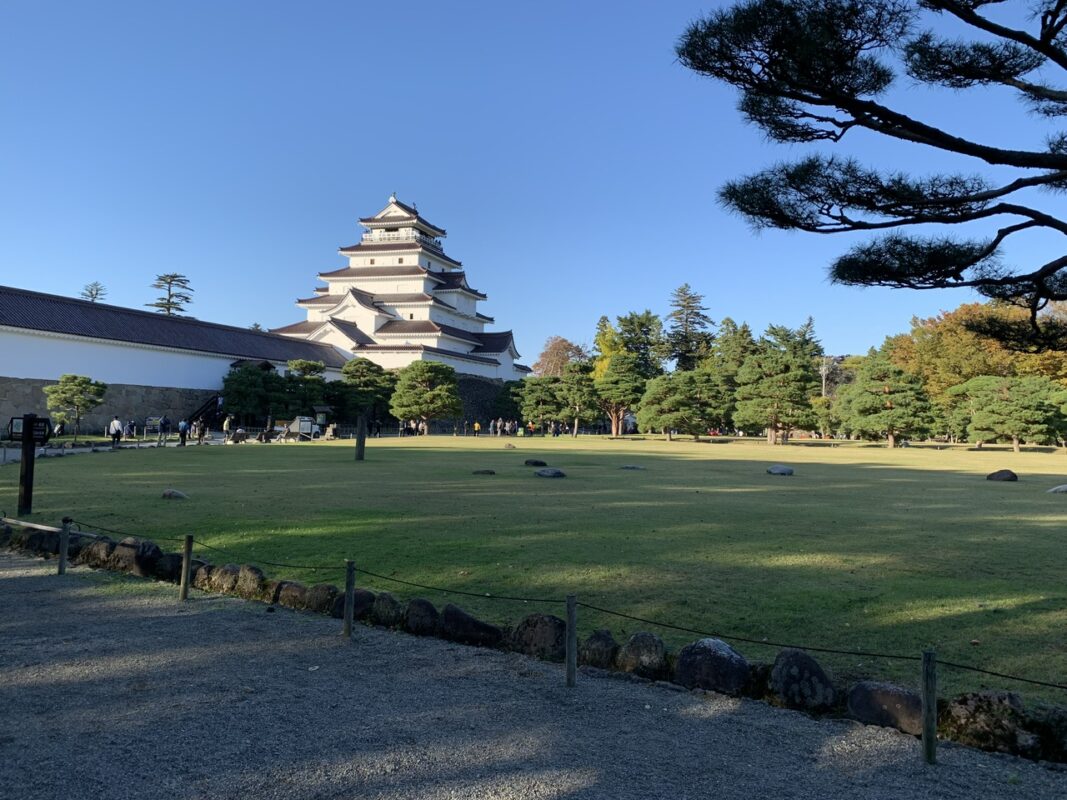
(110, 689)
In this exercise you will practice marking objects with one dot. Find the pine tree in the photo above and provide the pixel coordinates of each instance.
(688, 339)
(74, 395)
(94, 291)
(691, 402)
(1017, 409)
(775, 385)
(641, 335)
(729, 349)
(426, 390)
(368, 387)
(178, 294)
(884, 400)
(540, 400)
(577, 394)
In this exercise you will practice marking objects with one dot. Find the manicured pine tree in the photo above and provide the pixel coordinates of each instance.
(884, 400)
(426, 390)
(1017, 409)
(540, 400)
(691, 402)
(641, 335)
(73, 396)
(577, 394)
(368, 386)
(775, 385)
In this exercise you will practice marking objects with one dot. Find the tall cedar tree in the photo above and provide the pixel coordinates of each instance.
(884, 400)
(641, 335)
(556, 355)
(1017, 409)
(620, 389)
(94, 291)
(577, 394)
(811, 71)
(688, 338)
(691, 402)
(369, 389)
(426, 390)
(178, 294)
(540, 401)
(73, 396)
(729, 349)
(775, 385)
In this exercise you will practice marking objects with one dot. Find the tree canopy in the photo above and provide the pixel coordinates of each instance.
(688, 338)
(558, 352)
(884, 400)
(73, 396)
(426, 390)
(177, 293)
(688, 401)
(1016, 409)
(620, 389)
(813, 71)
(776, 383)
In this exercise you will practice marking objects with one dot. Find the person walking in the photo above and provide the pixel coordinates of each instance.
(477, 427)
(164, 431)
(115, 431)
(183, 432)
(226, 428)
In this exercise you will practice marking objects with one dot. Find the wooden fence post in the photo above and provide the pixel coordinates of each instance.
(572, 640)
(350, 597)
(929, 687)
(187, 567)
(64, 545)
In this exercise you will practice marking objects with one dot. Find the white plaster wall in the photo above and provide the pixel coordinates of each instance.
(25, 355)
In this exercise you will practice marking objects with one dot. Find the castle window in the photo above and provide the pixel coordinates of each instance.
(372, 261)
(400, 260)
(411, 316)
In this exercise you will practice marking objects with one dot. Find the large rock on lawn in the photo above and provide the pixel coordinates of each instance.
(550, 472)
(421, 618)
(459, 626)
(599, 650)
(798, 681)
(645, 655)
(320, 597)
(989, 721)
(711, 664)
(874, 703)
(1062, 489)
(387, 611)
(1002, 475)
(541, 636)
(779, 469)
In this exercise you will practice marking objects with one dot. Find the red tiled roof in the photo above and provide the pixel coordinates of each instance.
(20, 308)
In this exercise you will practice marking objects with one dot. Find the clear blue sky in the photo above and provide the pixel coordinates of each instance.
(572, 160)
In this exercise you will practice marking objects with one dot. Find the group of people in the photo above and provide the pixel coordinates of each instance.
(118, 431)
(413, 427)
(497, 427)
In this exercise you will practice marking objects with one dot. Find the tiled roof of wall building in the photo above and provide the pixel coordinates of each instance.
(494, 342)
(21, 308)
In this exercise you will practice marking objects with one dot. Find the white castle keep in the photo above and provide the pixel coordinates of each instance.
(402, 299)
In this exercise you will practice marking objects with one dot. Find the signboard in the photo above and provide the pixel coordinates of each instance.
(320, 419)
(151, 424)
(305, 425)
(42, 429)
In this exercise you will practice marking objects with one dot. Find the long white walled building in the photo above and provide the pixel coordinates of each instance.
(402, 299)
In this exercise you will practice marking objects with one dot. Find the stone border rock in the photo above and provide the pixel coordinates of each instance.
(993, 721)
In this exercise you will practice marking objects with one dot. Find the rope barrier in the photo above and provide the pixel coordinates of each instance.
(608, 611)
(484, 596)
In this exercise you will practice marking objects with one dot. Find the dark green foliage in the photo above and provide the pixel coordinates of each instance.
(252, 393)
(884, 400)
(303, 368)
(776, 383)
(814, 70)
(691, 401)
(577, 394)
(1016, 409)
(94, 291)
(178, 294)
(641, 335)
(540, 400)
(73, 396)
(505, 403)
(426, 390)
(688, 338)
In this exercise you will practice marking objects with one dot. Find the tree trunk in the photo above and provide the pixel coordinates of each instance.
(1015, 444)
(574, 432)
(772, 435)
(668, 432)
(892, 440)
(361, 437)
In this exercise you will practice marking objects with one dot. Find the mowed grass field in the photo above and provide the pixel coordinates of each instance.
(863, 548)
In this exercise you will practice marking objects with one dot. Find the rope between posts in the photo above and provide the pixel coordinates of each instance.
(482, 595)
(608, 611)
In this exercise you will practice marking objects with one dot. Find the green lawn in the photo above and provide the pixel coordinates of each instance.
(863, 548)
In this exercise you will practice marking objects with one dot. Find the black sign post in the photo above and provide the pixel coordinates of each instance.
(33, 432)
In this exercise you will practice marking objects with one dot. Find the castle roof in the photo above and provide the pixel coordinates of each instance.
(392, 247)
(403, 327)
(21, 308)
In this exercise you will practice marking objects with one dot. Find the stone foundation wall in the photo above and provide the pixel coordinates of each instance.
(20, 396)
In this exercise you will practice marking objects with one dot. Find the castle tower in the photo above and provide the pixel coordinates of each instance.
(401, 298)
